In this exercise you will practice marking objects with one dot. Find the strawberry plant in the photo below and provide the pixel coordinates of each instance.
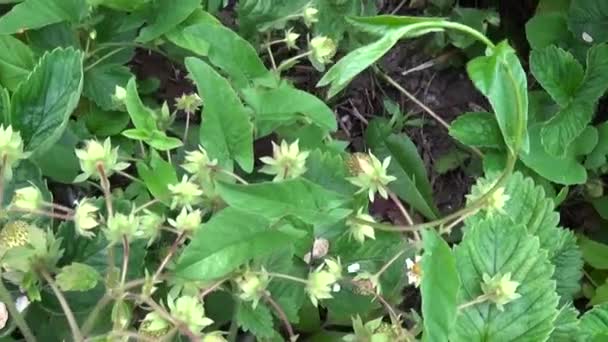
(219, 197)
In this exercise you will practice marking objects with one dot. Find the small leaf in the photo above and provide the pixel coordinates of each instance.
(478, 129)
(589, 17)
(298, 197)
(100, 83)
(105, 123)
(439, 288)
(501, 78)
(143, 117)
(497, 246)
(597, 158)
(158, 176)
(42, 104)
(33, 14)
(230, 239)
(165, 15)
(77, 277)
(160, 141)
(258, 321)
(16, 61)
(226, 131)
(594, 253)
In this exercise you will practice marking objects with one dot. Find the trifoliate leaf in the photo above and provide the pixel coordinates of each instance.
(77, 277)
(497, 246)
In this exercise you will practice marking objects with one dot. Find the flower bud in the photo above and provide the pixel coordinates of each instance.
(185, 194)
(150, 226)
(359, 230)
(122, 313)
(186, 221)
(291, 39)
(310, 16)
(28, 199)
(95, 156)
(373, 176)
(120, 225)
(500, 289)
(190, 311)
(189, 103)
(214, 336)
(154, 326)
(323, 49)
(11, 150)
(287, 161)
(199, 164)
(120, 94)
(85, 218)
(252, 286)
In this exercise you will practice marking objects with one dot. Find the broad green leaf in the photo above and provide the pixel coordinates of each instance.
(181, 38)
(568, 261)
(226, 131)
(595, 82)
(287, 104)
(160, 141)
(501, 78)
(68, 168)
(546, 29)
(412, 183)
(479, 129)
(100, 83)
(257, 321)
(42, 105)
(257, 16)
(439, 288)
(334, 16)
(16, 61)
(229, 52)
(600, 295)
(104, 123)
(120, 5)
(600, 204)
(594, 253)
(143, 117)
(598, 157)
(298, 197)
(158, 175)
(566, 325)
(589, 17)
(497, 246)
(477, 19)
(227, 241)
(32, 14)
(77, 277)
(594, 323)
(558, 72)
(165, 15)
(24, 175)
(329, 171)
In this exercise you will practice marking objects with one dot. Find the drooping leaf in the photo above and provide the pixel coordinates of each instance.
(439, 288)
(412, 183)
(143, 117)
(226, 131)
(158, 175)
(558, 72)
(298, 197)
(166, 14)
(594, 323)
(566, 325)
(497, 246)
(230, 239)
(42, 104)
(589, 17)
(501, 78)
(270, 106)
(16, 61)
(100, 83)
(478, 129)
(32, 14)
(229, 52)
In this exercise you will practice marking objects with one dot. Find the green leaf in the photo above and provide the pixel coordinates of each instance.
(439, 288)
(143, 117)
(120, 5)
(226, 131)
(501, 78)
(160, 141)
(165, 15)
(594, 323)
(558, 72)
(412, 183)
(258, 321)
(229, 52)
(568, 261)
(42, 104)
(100, 83)
(478, 129)
(181, 38)
(63, 150)
(77, 277)
(589, 17)
(595, 82)
(547, 29)
(105, 123)
(32, 14)
(227, 241)
(497, 246)
(594, 253)
(158, 175)
(597, 158)
(450, 160)
(477, 19)
(600, 295)
(298, 197)
(271, 105)
(566, 325)
(16, 61)
(328, 170)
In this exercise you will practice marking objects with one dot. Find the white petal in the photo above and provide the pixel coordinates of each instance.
(353, 268)
(22, 303)
(336, 287)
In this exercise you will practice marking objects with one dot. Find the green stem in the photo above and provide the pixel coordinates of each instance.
(7, 299)
(103, 58)
(289, 62)
(478, 300)
(69, 315)
(389, 263)
(285, 276)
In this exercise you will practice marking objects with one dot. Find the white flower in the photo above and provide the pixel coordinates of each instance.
(587, 37)
(353, 268)
(336, 288)
(120, 94)
(360, 230)
(414, 270)
(21, 303)
(371, 174)
(287, 161)
(493, 204)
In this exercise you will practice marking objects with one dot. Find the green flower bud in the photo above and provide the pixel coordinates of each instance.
(190, 311)
(11, 150)
(323, 49)
(373, 176)
(154, 326)
(319, 285)
(495, 203)
(358, 230)
(28, 199)
(215, 336)
(365, 281)
(291, 39)
(500, 289)
(120, 225)
(189, 103)
(252, 286)
(150, 226)
(287, 161)
(95, 156)
(185, 194)
(120, 96)
(85, 218)
(199, 164)
(310, 16)
(187, 221)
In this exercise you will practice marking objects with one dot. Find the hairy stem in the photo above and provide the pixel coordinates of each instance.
(7, 299)
(169, 255)
(69, 315)
(282, 315)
